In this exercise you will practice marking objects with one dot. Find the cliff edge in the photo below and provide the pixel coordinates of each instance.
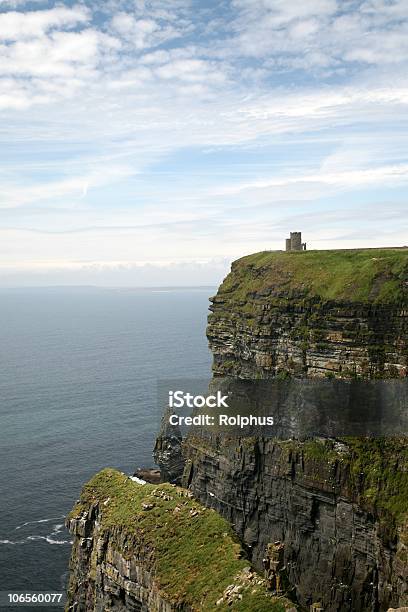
(312, 314)
(154, 548)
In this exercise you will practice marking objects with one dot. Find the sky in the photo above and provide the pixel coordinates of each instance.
(152, 142)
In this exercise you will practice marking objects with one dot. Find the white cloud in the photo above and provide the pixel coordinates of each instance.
(192, 71)
(281, 12)
(137, 128)
(17, 25)
(144, 33)
(60, 54)
(46, 55)
(392, 176)
(139, 31)
(319, 34)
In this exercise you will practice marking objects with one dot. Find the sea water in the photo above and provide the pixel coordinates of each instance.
(78, 392)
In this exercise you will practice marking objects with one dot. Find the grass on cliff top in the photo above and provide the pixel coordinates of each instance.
(195, 552)
(360, 275)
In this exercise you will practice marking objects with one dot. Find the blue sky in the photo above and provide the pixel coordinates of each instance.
(152, 142)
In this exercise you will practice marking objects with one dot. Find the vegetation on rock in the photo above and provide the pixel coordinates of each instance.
(356, 275)
(377, 468)
(195, 555)
(339, 313)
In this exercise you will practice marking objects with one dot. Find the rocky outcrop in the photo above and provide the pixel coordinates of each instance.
(102, 575)
(141, 547)
(314, 314)
(167, 451)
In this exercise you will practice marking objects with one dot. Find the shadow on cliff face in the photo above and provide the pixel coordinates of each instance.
(294, 408)
(317, 408)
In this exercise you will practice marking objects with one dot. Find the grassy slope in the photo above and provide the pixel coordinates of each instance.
(361, 275)
(196, 556)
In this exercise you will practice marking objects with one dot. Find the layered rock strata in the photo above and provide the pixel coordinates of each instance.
(153, 548)
(326, 520)
(338, 508)
(314, 314)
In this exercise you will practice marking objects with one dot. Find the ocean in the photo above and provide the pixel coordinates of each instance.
(78, 392)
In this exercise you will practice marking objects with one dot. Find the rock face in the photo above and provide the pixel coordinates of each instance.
(167, 451)
(342, 546)
(150, 548)
(338, 507)
(315, 314)
(102, 576)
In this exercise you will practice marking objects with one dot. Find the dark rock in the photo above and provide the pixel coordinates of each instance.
(151, 475)
(168, 451)
(343, 544)
(335, 549)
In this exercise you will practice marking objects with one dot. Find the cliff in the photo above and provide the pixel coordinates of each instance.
(325, 520)
(154, 548)
(315, 314)
(339, 507)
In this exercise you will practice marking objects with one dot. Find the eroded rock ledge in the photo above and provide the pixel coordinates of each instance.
(154, 548)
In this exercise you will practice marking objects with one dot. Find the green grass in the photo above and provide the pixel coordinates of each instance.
(378, 472)
(379, 468)
(319, 451)
(360, 275)
(195, 557)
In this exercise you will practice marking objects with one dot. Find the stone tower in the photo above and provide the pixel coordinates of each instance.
(294, 243)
